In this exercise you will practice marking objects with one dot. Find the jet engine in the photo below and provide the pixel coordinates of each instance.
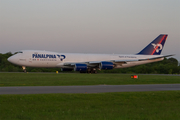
(106, 65)
(80, 67)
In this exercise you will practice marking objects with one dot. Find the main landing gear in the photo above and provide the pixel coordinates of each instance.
(24, 69)
(92, 71)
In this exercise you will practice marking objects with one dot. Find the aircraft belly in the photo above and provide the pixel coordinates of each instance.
(40, 63)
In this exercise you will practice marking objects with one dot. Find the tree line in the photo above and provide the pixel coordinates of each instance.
(167, 66)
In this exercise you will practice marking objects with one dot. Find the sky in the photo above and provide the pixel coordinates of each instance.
(89, 26)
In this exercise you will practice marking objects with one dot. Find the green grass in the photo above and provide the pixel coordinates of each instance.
(49, 79)
(161, 105)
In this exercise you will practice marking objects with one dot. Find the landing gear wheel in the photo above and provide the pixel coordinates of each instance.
(93, 71)
(89, 71)
(24, 69)
(82, 71)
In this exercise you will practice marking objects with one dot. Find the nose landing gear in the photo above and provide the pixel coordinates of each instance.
(24, 69)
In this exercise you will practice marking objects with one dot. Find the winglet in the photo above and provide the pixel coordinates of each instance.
(155, 47)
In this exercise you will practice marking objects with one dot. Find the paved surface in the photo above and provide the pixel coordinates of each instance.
(87, 89)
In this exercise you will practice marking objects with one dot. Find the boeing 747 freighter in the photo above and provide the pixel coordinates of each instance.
(90, 62)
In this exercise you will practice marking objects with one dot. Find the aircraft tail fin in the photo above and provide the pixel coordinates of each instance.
(155, 47)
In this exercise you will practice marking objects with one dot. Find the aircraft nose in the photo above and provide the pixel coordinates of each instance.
(12, 59)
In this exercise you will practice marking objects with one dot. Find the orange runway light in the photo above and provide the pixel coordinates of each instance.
(134, 76)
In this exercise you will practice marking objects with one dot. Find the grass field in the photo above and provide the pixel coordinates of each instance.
(50, 79)
(161, 105)
(104, 106)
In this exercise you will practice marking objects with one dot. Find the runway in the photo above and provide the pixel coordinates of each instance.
(87, 89)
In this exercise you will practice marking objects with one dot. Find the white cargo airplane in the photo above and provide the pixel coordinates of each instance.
(90, 62)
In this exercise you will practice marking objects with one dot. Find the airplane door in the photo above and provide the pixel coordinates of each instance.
(30, 60)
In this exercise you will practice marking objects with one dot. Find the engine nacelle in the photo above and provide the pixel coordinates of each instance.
(106, 65)
(80, 67)
(66, 69)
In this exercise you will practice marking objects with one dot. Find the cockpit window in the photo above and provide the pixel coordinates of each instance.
(20, 52)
